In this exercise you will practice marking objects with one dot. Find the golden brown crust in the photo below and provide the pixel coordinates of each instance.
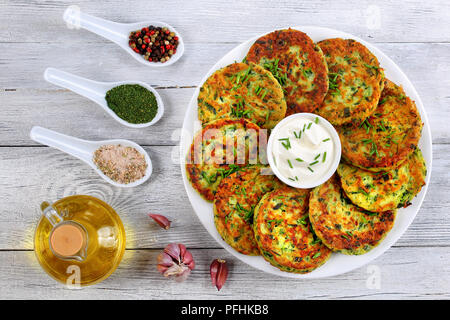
(207, 163)
(382, 191)
(300, 60)
(283, 232)
(341, 225)
(242, 91)
(355, 81)
(235, 200)
(385, 139)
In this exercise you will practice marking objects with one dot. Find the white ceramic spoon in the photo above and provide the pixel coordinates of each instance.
(96, 91)
(119, 33)
(84, 150)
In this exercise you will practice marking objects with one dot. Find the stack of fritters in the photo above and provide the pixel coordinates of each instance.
(234, 204)
(382, 169)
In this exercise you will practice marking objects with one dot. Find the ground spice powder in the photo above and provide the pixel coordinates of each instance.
(132, 103)
(121, 164)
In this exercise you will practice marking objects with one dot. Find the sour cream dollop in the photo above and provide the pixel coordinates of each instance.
(304, 150)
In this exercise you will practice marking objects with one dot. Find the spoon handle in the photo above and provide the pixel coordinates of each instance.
(78, 148)
(87, 88)
(116, 32)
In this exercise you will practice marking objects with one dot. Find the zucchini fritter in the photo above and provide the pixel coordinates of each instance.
(341, 225)
(283, 231)
(385, 190)
(242, 91)
(297, 63)
(355, 81)
(235, 201)
(210, 159)
(385, 139)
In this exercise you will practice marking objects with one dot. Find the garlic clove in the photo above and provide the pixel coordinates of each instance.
(161, 220)
(213, 269)
(165, 260)
(173, 250)
(219, 273)
(189, 260)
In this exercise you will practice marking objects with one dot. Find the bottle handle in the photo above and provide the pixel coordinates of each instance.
(50, 213)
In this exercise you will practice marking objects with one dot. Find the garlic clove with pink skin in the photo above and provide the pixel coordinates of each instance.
(175, 261)
(161, 220)
(219, 273)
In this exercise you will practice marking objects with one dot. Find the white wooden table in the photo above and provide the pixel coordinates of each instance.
(33, 36)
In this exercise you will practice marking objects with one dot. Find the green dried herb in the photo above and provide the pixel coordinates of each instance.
(132, 103)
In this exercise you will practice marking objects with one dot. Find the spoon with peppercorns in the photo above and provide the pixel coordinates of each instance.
(154, 44)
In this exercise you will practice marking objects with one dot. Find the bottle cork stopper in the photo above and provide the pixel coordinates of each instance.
(67, 240)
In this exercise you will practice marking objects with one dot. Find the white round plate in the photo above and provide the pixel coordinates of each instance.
(338, 263)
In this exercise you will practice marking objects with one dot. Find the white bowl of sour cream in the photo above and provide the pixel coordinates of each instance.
(304, 150)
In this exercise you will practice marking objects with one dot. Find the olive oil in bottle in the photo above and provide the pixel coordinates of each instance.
(80, 240)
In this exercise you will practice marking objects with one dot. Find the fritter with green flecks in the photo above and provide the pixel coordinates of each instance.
(386, 138)
(242, 91)
(297, 63)
(355, 81)
(283, 232)
(341, 225)
(219, 149)
(235, 201)
(382, 191)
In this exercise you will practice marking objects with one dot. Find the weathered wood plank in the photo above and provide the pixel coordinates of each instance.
(204, 21)
(31, 175)
(36, 102)
(68, 113)
(426, 271)
(23, 64)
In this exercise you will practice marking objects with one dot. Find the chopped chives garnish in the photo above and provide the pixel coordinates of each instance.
(317, 157)
(286, 144)
(374, 149)
(313, 163)
(264, 94)
(290, 164)
(325, 140)
(299, 160)
(304, 127)
(291, 179)
(309, 125)
(296, 178)
(295, 134)
(381, 125)
(310, 169)
(317, 255)
(316, 120)
(364, 192)
(324, 156)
